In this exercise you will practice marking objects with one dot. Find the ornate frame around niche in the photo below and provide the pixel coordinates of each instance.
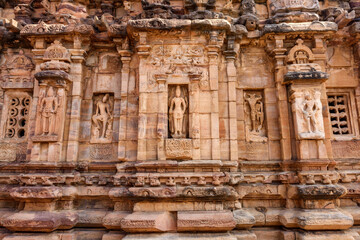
(183, 148)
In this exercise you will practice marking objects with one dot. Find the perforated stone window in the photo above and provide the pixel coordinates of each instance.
(18, 108)
(339, 114)
(342, 113)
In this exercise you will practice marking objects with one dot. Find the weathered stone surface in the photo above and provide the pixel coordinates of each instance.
(113, 220)
(319, 219)
(181, 236)
(149, 222)
(205, 221)
(243, 219)
(158, 119)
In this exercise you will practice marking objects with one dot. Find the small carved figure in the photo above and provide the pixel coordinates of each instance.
(301, 57)
(48, 109)
(178, 106)
(309, 109)
(103, 117)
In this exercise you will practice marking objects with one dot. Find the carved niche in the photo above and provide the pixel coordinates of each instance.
(17, 71)
(300, 63)
(53, 84)
(307, 112)
(254, 116)
(102, 119)
(178, 146)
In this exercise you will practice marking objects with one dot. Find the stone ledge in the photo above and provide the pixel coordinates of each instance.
(211, 221)
(149, 222)
(316, 219)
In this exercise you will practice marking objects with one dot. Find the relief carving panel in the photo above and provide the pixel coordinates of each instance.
(307, 112)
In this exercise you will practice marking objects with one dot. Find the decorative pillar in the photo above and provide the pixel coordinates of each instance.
(213, 54)
(279, 56)
(162, 115)
(230, 56)
(125, 53)
(77, 59)
(143, 52)
(194, 115)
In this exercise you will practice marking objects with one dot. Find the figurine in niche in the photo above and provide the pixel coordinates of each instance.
(49, 105)
(301, 57)
(102, 118)
(178, 106)
(310, 109)
(254, 110)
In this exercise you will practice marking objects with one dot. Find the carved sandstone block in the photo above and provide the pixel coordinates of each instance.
(205, 221)
(319, 219)
(243, 219)
(178, 148)
(181, 236)
(149, 222)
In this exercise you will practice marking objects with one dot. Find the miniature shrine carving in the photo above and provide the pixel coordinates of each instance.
(102, 119)
(17, 72)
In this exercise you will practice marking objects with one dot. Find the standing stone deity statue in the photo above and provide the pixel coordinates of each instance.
(102, 118)
(48, 108)
(256, 111)
(178, 106)
(310, 109)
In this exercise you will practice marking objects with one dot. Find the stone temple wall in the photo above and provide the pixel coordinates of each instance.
(181, 120)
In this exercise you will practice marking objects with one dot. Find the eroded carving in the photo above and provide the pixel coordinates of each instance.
(178, 148)
(307, 109)
(102, 119)
(254, 109)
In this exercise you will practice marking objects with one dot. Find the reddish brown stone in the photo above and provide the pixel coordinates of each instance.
(149, 222)
(212, 221)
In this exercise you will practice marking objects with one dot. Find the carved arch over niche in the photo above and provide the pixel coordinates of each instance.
(56, 51)
(300, 47)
